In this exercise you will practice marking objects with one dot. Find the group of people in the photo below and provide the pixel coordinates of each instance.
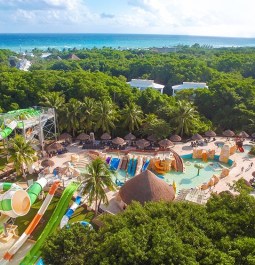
(248, 168)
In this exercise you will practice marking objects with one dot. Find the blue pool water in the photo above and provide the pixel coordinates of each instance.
(244, 154)
(189, 178)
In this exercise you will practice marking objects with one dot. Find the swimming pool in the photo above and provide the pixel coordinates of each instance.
(189, 178)
(244, 154)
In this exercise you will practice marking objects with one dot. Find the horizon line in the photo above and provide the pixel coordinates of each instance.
(103, 33)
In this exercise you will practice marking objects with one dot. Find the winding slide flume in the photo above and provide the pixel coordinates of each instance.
(8, 130)
(34, 254)
(18, 244)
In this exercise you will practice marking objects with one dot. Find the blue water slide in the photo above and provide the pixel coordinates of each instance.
(133, 167)
(145, 165)
(40, 262)
(114, 163)
(70, 211)
(84, 223)
(130, 163)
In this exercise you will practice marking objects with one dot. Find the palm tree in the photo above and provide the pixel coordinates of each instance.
(54, 100)
(88, 113)
(96, 180)
(72, 113)
(21, 154)
(184, 117)
(132, 116)
(105, 115)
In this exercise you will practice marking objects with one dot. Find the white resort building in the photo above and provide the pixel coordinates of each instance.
(144, 83)
(188, 85)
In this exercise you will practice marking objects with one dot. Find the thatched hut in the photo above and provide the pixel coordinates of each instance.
(146, 187)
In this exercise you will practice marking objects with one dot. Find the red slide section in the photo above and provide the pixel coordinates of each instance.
(179, 161)
(241, 149)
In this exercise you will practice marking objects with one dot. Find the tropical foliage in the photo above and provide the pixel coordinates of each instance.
(101, 76)
(165, 233)
(96, 180)
(21, 154)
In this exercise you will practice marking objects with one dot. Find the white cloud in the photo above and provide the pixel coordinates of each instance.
(194, 17)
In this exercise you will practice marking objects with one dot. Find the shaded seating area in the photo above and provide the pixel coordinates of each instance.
(145, 187)
(56, 149)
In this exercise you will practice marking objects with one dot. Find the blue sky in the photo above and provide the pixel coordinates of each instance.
(191, 17)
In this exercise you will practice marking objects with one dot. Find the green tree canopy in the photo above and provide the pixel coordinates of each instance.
(222, 232)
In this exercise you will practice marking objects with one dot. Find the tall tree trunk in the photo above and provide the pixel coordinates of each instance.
(23, 172)
(96, 210)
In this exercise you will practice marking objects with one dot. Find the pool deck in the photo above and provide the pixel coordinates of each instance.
(235, 172)
(18, 257)
(194, 195)
(181, 149)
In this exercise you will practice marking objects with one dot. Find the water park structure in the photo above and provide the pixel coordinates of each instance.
(33, 123)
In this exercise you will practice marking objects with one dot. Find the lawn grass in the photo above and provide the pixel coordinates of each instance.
(24, 221)
(3, 162)
(80, 214)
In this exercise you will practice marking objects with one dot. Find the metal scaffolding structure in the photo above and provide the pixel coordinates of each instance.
(36, 124)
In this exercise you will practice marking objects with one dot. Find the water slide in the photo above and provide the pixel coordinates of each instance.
(16, 201)
(179, 161)
(159, 168)
(139, 165)
(145, 165)
(107, 160)
(133, 167)
(124, 163)
(34, 253)
(22, 239)
(70, 211)
(17, 115)
(8, 130)
(114, 163)
(130, 163)
(240, 148)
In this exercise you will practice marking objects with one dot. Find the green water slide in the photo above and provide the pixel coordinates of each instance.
(34, 254)
(15, 120)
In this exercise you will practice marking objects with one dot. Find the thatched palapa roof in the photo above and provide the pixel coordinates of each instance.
(146, 187)
(106, 136)
(118, 141)
(130, 137)
(175, 138)
(82, 137)
(65, 136)
(47, 163)
(73, 57)
(196, 137)
(142, 143)
(243, 134)
(54, 147)
(165, 143)
(228, 133)
(210, 134)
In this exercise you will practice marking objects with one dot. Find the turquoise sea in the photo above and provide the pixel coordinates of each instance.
(17, 42)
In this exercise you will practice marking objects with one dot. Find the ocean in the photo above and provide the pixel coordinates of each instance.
(26, 42)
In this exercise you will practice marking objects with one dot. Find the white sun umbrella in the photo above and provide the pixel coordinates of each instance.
(69, 169)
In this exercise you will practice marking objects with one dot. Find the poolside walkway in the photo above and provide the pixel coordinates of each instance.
(181, 149)
(236, 172)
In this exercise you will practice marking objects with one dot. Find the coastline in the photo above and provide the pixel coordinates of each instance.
(28, 41)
